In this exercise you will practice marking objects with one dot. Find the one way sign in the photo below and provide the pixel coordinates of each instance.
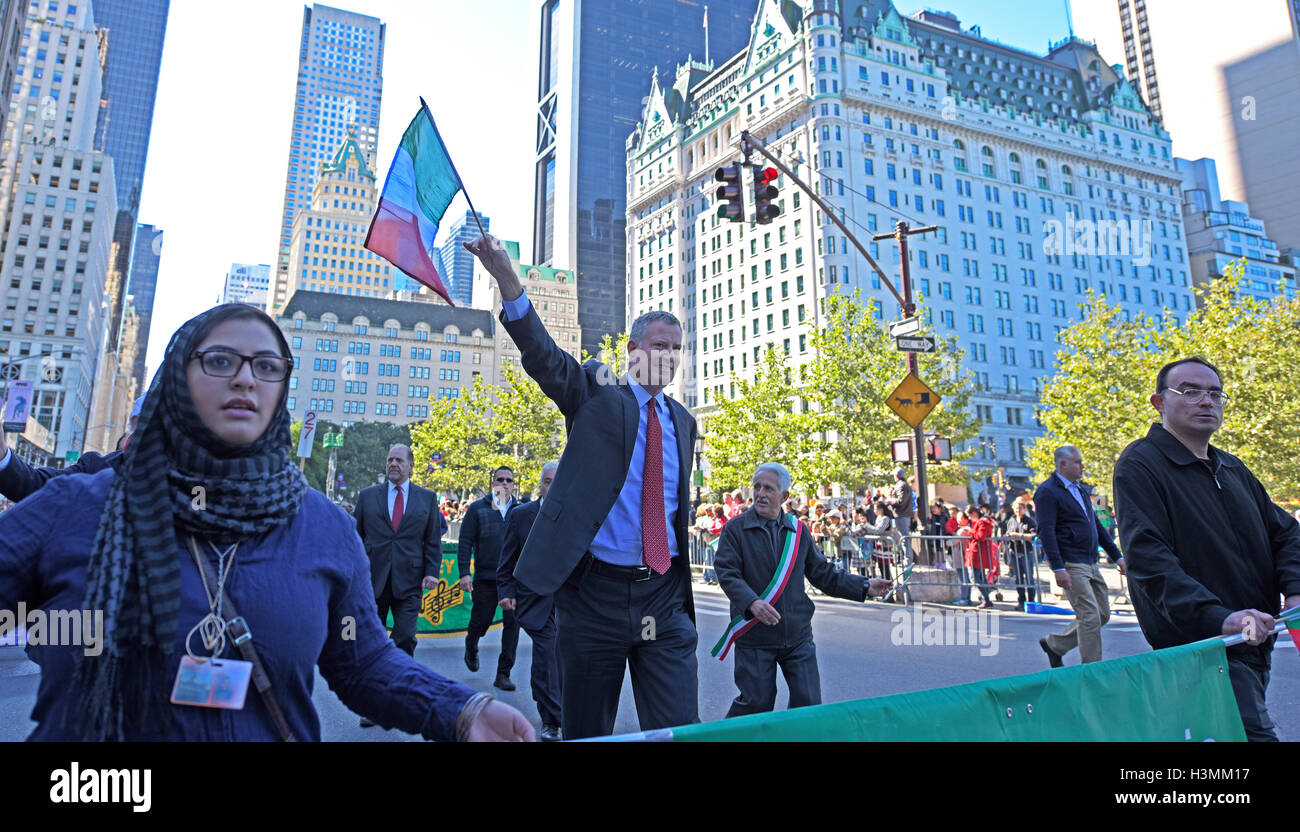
(915, 343)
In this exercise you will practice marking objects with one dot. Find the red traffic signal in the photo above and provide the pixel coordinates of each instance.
(764, 193)
(730, 203)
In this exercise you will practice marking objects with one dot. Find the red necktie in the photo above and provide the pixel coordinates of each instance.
(654, 532)
(397, 509)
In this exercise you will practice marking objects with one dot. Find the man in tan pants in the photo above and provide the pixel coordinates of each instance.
(1070, 533)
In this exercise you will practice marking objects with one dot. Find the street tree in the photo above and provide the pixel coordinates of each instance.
(763, 422)
(361, 460)
(529, 427)
(855, 366)
(460, 430)
(1098, 396)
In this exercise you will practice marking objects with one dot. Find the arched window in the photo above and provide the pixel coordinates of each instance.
(1065, 170)
(1040, 164)
(1014, 158)
(957, 145)
(986, 151)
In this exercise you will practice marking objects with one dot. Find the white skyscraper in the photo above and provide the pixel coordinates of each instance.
(914, 119)
(59, 202)
(340, 86)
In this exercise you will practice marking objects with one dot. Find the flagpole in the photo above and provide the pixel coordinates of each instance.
(706, 34)
(465, 190)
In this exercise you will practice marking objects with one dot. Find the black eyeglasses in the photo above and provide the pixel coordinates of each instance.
(504, 479)
(228, 363)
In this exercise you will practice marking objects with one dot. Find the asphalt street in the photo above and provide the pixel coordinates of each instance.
(855, 655)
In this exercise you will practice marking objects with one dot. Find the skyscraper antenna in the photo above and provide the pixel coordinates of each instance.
(706, 34)
(1069, 19)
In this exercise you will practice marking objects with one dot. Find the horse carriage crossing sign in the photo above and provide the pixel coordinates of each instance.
(912, 400)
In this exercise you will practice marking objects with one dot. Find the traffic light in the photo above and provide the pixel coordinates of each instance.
(731, 205)
(764, 193)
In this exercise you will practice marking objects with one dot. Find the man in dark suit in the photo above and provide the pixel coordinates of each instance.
(482, 531)
(610, 541)
(1070, 533)
(535, 613)
(401, 527)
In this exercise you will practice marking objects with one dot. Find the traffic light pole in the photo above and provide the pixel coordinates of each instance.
(901, 233)
(750, 144)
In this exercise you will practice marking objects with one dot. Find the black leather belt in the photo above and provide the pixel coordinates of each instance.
(622, 573)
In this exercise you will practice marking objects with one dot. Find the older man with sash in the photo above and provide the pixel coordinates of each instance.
(763, 557)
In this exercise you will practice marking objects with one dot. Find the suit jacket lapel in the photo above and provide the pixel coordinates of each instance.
(683, 445)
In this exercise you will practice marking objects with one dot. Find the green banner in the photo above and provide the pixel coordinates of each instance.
(1175, 694)
(444, 610)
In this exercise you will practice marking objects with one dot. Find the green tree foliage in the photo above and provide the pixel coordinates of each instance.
(1098, 398)
(361, 460)
(613, 353)
(845, 436)
(856, 366)
(513, 425)
(529, 426)
(762, 423)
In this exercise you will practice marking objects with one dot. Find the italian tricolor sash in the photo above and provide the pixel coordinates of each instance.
(784, 569)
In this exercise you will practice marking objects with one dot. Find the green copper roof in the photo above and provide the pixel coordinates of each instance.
(349, 149)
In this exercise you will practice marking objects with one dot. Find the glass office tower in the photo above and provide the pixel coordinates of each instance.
(594, 68)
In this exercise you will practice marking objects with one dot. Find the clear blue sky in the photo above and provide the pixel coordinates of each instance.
(219, 148)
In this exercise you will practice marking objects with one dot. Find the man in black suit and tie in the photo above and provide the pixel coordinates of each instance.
(535, 613)
(610, 540)
(401, 527)
(1070, 532)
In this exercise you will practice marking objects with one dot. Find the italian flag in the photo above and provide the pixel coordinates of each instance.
(1293, 627)
(421, 184)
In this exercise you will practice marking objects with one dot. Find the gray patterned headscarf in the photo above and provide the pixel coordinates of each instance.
(134, 573)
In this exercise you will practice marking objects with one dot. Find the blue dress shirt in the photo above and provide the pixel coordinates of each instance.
(618, 541)
(1073, 488)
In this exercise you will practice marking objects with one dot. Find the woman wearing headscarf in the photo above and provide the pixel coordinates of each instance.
(207, 479)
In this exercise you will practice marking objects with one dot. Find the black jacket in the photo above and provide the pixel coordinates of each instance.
(532, 610)
(1069, 534)
(19, 480)
(409, 554)
(1201, 540)
(746, 561)
(482, 531)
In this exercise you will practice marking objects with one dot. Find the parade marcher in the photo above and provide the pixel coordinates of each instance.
(481, 534)
(1208, 552)
(401, 528)
(18, 479)
(612, 541)
(206, 542)
(762, 561)
(1070, 533)
(535, 613)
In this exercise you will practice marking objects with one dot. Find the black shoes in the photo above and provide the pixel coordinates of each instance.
(549, 733)
(365, 723)
(471, 656)
(1053, 658)
(503, 681)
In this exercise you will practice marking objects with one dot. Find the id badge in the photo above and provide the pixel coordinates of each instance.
(216, 683)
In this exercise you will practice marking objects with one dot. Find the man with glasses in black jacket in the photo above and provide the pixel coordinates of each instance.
(1208, 553)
